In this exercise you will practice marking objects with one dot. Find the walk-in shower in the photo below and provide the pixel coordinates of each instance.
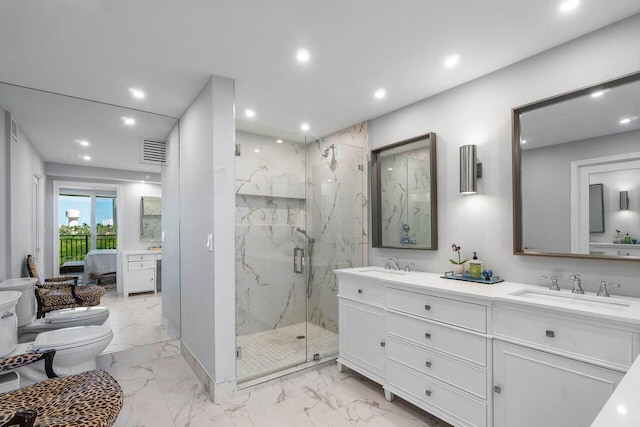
(299, 216)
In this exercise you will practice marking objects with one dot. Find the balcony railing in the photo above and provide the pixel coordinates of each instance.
(74, 247)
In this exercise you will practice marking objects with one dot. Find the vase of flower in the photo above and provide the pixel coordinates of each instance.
(458, 266)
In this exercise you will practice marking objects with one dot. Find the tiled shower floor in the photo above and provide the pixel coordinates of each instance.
(264, 353)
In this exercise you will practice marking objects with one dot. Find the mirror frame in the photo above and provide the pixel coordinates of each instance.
(518, 244)
(376, 211)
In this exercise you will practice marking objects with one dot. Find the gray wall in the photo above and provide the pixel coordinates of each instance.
(546, 181)
(171, 228)
(479, 112)
(5, 225)
(207, 207)
(24, 163)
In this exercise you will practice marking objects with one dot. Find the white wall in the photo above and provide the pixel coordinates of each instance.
(479, 112)
(627, 221)
(24, 163)
(171, 229)
(207, 207)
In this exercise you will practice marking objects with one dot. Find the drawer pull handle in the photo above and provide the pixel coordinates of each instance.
(428, 364)
(7, 314)
(497, 389)
(427, 336)
(427, 392)
(382, 343)
(427, 307)
(551, 334)
(360, 291)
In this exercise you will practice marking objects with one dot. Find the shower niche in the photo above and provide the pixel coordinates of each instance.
(299, 215)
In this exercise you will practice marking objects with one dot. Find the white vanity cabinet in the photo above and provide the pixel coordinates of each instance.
(361, 340)
(555, 369)
(139, 271)
(438, 355)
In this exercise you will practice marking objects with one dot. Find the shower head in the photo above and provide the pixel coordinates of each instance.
(304, 233)
(325, 153)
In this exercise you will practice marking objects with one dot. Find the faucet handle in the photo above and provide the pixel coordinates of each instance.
(407, 267)
(603, 288)
(554, 282)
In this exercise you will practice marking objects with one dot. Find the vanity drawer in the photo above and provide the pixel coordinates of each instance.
(432, 335)
(459, 313)
(466, 377)
(598, 342)
(141, 257)
(141, 265)
(362, 291)
(433, 394)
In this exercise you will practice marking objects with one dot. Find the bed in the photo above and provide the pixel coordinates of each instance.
(99, 264)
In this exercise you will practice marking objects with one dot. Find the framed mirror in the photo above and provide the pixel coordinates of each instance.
(404, 194)
(150, 219)
(574, 156)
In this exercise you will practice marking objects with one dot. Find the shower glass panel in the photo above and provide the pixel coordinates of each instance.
(299, 215)
(334, 213)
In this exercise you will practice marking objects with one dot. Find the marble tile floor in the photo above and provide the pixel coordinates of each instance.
(164, 392)
(266, 352)
(135, 320)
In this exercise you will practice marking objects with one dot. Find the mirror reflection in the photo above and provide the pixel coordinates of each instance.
(77, 169)
(404, 194)
(574, 157)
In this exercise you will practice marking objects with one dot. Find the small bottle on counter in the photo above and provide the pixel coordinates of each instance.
(475, 267)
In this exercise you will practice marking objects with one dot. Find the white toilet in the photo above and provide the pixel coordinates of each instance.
(29, 327)
(76, 350)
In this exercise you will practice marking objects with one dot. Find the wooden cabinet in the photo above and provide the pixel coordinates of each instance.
(535, 388)
(139, 271)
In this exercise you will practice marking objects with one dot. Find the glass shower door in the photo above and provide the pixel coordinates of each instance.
(335, 210)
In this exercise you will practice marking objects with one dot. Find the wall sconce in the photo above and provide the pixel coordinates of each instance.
(470, 170)
(624, 200)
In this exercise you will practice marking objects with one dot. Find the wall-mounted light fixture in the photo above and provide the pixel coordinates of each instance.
(470, 170)
(624, 200)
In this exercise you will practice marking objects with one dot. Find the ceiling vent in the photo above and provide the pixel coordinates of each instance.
(153, 152)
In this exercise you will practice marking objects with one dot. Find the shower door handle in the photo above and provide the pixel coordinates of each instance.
(298, 260)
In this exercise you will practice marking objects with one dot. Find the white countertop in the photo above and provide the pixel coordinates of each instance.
(142, 252)
(622, 409)
(624, 310)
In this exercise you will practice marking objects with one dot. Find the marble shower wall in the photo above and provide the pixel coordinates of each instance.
(336, 216)
(269, 206)
(405, 197)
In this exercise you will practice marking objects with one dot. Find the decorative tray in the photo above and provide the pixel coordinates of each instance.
(491, 281)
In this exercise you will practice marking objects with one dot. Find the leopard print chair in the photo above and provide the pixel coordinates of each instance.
(91, 399)
(61, 292)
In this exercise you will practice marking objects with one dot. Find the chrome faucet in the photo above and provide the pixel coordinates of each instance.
(577, 284)
(554, 283)
(603, 288)
(392, 264)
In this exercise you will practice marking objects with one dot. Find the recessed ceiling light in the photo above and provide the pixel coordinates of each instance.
(84, 143)
(625, 121)
(568, 5)
(390, 169)
(279, 141)
(597, 94)
(249, 113)
(128, 121)
(524, 141)
(452, 61)
(86, 157)
(304, 126)
(380, 93)
(136, 93)
(257, 150)
(303, 55)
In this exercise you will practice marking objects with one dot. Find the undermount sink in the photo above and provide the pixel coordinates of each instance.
(385, 271)
(572, 300)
